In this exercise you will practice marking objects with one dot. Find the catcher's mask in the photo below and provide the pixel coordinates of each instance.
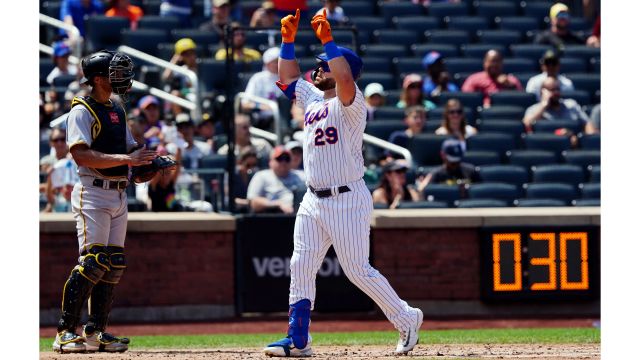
(117, 67)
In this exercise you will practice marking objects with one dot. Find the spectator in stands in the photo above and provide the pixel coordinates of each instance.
(277, 188)
(412, 94)
(374, 97)
(184, 55)
(137, 125)
(594, 39)
(454, 122)
(206, 130)
(335, 13)
(60, 181)
(61, 52)
(559, 34)
(550, 64)
(593, 125)
(297, 122)
(265, 16)
(192, 150)
(59, 149)
(219, 17)
(393, 186)
(415, 118)
(491, 79)
(437, 80)
(295, 148)
(246, 167)
(240, 52)
(553, 107)
(149, 107)
(244, 139)
(180, 9)
(263, 85)
(286, 7)
(453, 171)
(123, 8)
(162, 188)
(74, 12)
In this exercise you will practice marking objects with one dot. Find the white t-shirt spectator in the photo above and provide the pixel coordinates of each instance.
(266, 184)
(263, 84)
(534, 85)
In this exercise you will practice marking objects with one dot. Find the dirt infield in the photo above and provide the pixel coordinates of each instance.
(441, 352)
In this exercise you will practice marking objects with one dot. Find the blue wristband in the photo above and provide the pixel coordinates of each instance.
(332, 50)
(288, 51)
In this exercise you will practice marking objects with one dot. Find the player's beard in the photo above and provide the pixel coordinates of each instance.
(324, 83)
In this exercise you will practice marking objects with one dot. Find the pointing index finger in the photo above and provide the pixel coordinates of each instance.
(297, 16)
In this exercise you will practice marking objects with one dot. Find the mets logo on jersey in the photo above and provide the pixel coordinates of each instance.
(114, 117)
(316, 116)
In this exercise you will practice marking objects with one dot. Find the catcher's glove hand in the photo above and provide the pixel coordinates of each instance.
(144, 173)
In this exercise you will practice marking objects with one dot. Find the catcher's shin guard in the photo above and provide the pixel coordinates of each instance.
(102, 293)
(299, 318)
(90, 269)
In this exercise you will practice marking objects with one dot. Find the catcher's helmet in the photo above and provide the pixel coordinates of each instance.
(354, 61)
(116, 66)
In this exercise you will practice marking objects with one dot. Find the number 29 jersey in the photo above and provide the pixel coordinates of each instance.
(332, 149)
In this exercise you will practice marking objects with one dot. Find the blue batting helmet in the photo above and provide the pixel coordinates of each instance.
(354, 61)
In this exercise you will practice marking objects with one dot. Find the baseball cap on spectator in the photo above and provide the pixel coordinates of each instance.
(373, 89)
(61, 49)
(148, 100)
(218, 3)
(411, 79)
(395, 165)
(452, 149)
(268, 5)
(293, 144)
(270, 55)
(430, 58)
(183, 119)
(559, 10)
(184, 44)
(279, 151)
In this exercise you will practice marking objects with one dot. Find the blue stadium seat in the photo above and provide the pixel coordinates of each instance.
(594, 173)
(145, 40)
(367, 23)
(586, 202)
(212, 74)
(425, 148)
(376, 64)
(585, 81)
(530, 51)
(559, 191)
(389, 10)
(383, 128)
(559, 173)
(524, 77)
(479, 50)
(387, 80)
(422, 205)
(594, 65)
(580, 96)
(539, 203)
(503, 112)
(200, 37)
(362, 8)
(389, 112)
(46, 65)
(583, 158)
(455, 37)
(442, 9)
(491, 142)
(590, 190)
(573, 65)
(503, 37)
(442, 192)
(407, 65)
(528, 158)
(416, 23)
(493, 190)
(550, 126)
(514, 128)
(384, 50)
(519, 23)
(519, 65)
(463, 65)
(64, 80)
(491, 9)
(514, 98)
(166, 23)
(481, 203)
(580, 24)
(446, 50)
(481, 157)
(590, 142)
(472, 100)
(536, 8)
(104, 32)
(393, 96)
(510, 174)
(582, 51)
(151, 7)
(547, 142)
(466, 23)
(392, 36)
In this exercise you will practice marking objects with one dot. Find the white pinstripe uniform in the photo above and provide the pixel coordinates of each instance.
(332, 158)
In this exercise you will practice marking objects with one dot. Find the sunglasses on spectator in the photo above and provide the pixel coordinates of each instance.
(283, 158)
(551, 62)
(455, 111)
(60, 139)
(414, 86)
(400, 171)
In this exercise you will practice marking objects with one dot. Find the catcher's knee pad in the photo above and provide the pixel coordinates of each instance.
(117, 265)
(94, 264)
(299, 317)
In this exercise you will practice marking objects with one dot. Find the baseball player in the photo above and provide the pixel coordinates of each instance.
(336, 209)
(102, 146)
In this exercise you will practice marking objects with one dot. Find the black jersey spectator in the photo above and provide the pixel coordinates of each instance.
(220, 17)
(453, 171)
(437, 80)
(559, 34)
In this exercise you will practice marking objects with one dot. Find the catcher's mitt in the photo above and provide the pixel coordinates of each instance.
(144, 173)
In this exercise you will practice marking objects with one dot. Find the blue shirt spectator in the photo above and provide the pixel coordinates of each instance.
(75, 12)
(437, 79)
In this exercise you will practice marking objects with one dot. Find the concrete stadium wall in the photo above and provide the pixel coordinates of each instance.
(181, 265)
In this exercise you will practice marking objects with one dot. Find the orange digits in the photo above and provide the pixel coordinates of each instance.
(289, 27)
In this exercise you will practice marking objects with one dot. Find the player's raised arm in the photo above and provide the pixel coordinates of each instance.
(345, 85)
(288, 68)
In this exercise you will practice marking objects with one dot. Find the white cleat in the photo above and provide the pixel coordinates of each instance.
(410, 337)
(68, 342)
(104, 342)
(285, 348)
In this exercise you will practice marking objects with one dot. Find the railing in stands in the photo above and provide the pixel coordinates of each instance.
(372, 140)
(75, 38)
(276, 138)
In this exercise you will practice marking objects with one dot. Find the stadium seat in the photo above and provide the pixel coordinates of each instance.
(200, 37)
(480, 158)
(513, 98)
(51, 8)
(145, 40)
(46, 65)
(491, 9)
(586, 202)
(384, 50)
(446, 50)
(387, 80)
(503, 37)
(547, 142)
(425, 148)
(212, 74)
(519, 23)
(503, 112)
(389, 112)
(406, 65)
(530, 51)
(166, 23)
(376, 64)
(559, 191)
(463, 65)
(393, 36)
(519, 65)
(493, 190)
(479, 50)
(393, 96)
(510, 174)
(472, 100)
(442, 9)
(367, 23)
(363, 8)
(539, 203)
(585, 81)
(498, 142)
(582, 51)
(558, 173)
(213, 161)
(594, 173)
(594, 65)
(589, 142)
(151, 7)
(104, 32)
(528, 158)
(590, 190)
(583, 158)
(550, 126)
(513, 128)
(442, 192)
(389, 10)
(454, 37)
(573, 65)
(64, 80)
(481, 203)
(422, 205)
(470, 24)
(418, 24)
(383, 128)
(343, 37)
(536, 8)
(580, 96)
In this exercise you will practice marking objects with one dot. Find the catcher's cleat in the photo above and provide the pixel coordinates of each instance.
(105, 342)
(68, 342)
(285, 348)
(409, 337)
